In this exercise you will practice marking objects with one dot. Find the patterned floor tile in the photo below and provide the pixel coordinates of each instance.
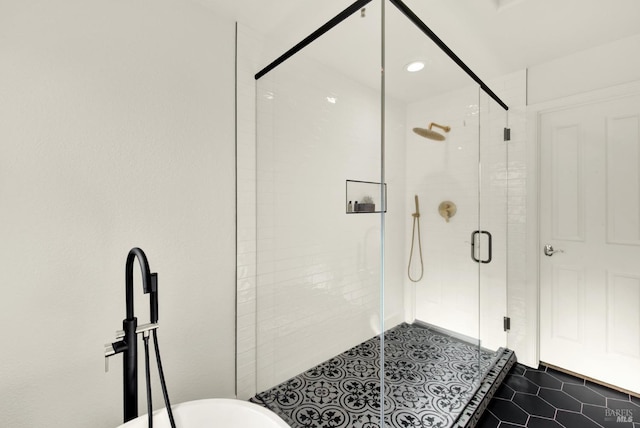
(429, 379)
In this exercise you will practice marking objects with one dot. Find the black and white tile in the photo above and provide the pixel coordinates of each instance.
(429, 379)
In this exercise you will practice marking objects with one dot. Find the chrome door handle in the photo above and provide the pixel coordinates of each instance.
(549, 251)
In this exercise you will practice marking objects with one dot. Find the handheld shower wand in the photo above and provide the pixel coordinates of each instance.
(416, 221)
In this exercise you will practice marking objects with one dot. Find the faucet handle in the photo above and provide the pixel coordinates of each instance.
(108, 351)
(111, 349)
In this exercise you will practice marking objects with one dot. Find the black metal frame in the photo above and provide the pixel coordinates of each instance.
(406, 11)
(426, 30)
(313, 36)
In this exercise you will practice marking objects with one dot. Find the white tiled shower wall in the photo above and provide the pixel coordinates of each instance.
(448, 171)
(318, 268)
(310, 288)
(438, 171)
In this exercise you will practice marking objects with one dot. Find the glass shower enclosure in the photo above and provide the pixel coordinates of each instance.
(343, 336)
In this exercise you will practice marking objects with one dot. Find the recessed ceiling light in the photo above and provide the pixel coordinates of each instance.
(414, 66)
(332, 100)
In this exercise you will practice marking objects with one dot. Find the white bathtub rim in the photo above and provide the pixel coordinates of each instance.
(234, 402)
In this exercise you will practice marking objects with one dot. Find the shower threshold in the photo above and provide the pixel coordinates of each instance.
(431, 379)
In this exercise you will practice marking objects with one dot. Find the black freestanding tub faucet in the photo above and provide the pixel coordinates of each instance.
(128, 341)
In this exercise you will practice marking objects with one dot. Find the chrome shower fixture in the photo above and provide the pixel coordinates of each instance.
(430, 134)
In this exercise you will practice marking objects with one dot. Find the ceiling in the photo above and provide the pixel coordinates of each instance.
(493, 37)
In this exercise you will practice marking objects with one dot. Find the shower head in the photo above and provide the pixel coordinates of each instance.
(430, 134)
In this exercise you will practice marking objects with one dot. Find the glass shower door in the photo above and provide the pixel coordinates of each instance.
(432, 363)
(436, 362)
(493, 220)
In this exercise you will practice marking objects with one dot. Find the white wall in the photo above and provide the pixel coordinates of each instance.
(596, 68)
(117, 131)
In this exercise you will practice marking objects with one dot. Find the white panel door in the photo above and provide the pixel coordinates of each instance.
(590, 215)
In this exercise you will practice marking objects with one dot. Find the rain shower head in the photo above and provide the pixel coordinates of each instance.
(430, 134)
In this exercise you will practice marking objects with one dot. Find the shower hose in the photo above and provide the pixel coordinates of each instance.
(162, 381)
(416, 222)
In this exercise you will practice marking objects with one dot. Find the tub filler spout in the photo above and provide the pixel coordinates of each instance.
(127, 342)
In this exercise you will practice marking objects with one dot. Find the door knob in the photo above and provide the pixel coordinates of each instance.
(549, 251)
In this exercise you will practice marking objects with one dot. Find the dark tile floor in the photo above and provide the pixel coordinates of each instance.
(546, 398)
